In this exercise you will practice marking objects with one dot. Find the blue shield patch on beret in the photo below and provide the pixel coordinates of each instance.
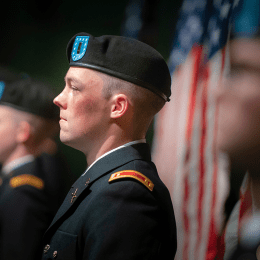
(79, 47)
(2, 88)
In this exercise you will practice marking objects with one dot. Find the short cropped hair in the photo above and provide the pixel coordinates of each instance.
(142, 97)
(41, 128)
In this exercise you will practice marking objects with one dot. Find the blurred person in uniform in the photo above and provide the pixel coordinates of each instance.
(27, 202)
(239, 137)
(119, 208)
(57, 171)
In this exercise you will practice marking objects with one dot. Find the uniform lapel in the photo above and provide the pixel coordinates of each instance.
(99, 169)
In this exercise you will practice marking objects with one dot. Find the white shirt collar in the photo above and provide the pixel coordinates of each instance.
(17, 163)
(115, 149)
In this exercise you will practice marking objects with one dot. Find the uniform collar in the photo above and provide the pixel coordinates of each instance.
(113, 150)
(117, 158)
(15, 164)
(106, 164)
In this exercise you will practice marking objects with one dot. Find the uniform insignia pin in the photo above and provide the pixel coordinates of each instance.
(87, 182)
(46, 249)
(73, 195)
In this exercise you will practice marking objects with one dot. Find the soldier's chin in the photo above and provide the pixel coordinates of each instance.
(223, 141)
(70, 142)
(220, 144)
(227, 148)
(65, 139)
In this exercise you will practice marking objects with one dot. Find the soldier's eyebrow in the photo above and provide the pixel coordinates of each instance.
(71, 79)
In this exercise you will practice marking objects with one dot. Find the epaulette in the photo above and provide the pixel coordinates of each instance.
(27, 179)
(132, 174)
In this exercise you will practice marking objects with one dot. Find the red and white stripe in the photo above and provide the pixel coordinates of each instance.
(241, 213)
(185, 155)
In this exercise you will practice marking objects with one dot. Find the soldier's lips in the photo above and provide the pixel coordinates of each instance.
(62, 118)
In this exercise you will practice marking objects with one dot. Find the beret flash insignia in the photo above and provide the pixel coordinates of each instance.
(2, 87)
(135, 175)
(79, 47)
(26, 179)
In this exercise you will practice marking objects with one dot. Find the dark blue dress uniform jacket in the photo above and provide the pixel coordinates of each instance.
(27, 207)
(121, 219)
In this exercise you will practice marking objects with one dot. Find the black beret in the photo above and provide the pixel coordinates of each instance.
(123, 58)
(28, 95)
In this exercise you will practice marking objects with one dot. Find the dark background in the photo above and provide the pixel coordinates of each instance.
(34, 35)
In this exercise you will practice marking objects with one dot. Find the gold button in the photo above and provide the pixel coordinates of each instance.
(46, 249)
(55, 253)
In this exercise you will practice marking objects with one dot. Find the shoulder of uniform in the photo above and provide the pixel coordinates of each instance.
(26, 179)
(132, 174)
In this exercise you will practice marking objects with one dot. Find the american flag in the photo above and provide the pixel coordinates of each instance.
(185, 130)
(242, 213)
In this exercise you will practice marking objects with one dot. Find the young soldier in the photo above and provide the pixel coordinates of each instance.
(27, 204)
(239, 135)
(119, 208)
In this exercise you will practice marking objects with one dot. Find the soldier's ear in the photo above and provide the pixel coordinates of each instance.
(23, 133)
(120, 105)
